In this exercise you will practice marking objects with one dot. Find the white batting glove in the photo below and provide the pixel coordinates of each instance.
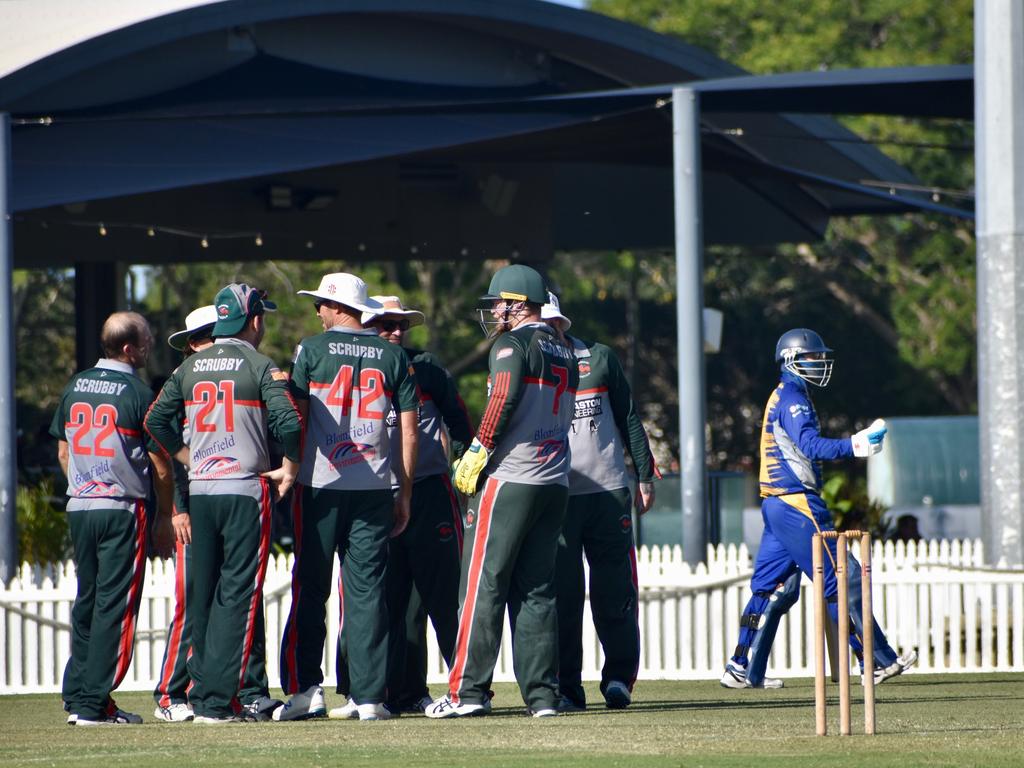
(868, 441)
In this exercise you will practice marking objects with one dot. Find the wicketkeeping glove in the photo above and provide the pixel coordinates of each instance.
(868, 441)
(469, 467)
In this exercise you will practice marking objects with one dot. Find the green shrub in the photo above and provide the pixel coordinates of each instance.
(42, 524)
(851, 508)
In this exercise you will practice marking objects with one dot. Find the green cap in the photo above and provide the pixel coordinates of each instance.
(235, 304)
(517, 282)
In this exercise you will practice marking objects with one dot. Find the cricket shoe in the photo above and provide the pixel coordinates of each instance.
(616, 695)
(544, 712)
(898, 667)
(349, 711)
(373, 712)
(303, 706)
(568, 705)
(420, 705)
(72, 719)
(174, 713)
(115, 716)
(226, 720)
(445, 707)
(261, 709)
(735, 676)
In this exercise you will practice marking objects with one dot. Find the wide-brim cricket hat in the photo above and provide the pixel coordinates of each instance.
(235, 304)
(517, 282)
(198, 320)
(392, 305)
(552, 311)
(345, 289)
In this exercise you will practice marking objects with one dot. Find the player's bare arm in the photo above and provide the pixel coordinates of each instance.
(163, 482)
(62, 456)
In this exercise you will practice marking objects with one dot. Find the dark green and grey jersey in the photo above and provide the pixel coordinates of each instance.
(529, 407)
(605, 417)
(351, 379)
(230, 399)
(440, 406)
(100, 417)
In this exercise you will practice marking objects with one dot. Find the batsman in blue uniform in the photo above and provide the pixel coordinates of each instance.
(792, 450)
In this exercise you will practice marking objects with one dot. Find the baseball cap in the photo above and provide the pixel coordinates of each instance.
(235, 304)
(552, 311)
(345, 289)
(392, 305)
(517, 282)
(202, 319)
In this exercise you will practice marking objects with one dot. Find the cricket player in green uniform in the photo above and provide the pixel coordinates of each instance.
(599, 522)
(103, 452)
(233, 398)
(512, 525)
(423, 561)
(346, 379)
(171, 692)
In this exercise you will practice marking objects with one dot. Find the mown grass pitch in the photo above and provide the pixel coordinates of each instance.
(923, 720)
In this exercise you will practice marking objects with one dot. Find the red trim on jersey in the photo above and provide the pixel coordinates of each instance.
(290, 674)
(177, 628)
(495, 406)
(130, 432)
(263, 555)
(126, 644)
(456, 512)
(476, 566)
(538, 380)
(145, 425)
(591, 390)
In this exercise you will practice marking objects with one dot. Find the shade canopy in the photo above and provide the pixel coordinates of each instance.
(428, 128)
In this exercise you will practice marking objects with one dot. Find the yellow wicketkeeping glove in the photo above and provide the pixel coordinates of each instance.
(469, 467)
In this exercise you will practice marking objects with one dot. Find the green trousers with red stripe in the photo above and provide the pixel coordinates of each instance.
(422, 579)
(600, 525)
(509, 559)
(356, 525)
(110, 555)
(174, 681)
(230, 549)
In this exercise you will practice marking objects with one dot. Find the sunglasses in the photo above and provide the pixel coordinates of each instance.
(394, 325)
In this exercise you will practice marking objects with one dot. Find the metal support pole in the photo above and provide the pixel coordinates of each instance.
(687, 182)
(999, 163)
(8, 439)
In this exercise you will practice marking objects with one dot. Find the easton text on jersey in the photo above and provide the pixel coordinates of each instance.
(99, 387)
(208, 364)
(354, 350)
(217, 447)
(555, 349)
(587, 408)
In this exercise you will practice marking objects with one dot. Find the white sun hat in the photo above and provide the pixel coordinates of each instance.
(197, 320)
(392, 305)
(345, 289)
(552, 311)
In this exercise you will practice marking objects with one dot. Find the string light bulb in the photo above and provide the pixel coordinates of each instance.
(309, 245)
(103, 230)
(150, 232)
(259, 241)
(205, 243)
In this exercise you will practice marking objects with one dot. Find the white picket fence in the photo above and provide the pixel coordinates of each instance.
(936, 597)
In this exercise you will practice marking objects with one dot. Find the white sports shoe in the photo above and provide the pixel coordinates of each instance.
(303, 706)
(350, 711)
(546, 712)
(119, 717)
(445, 707)
(735, 676)
(898, 667)
(208, 720)
(373, 712)
(174, 713)
(616, 695)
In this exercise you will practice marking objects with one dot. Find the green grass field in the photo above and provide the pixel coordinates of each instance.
(923, 720)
